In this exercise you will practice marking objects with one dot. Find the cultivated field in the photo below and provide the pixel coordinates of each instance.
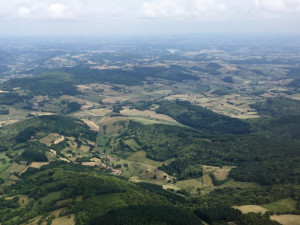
(222, 173)
(148, 114)
(65, 220)
(287, 219)
(251, 208)
(91, 124)
(52, 138)
(233, 105)
(11, 169)
(34, 165)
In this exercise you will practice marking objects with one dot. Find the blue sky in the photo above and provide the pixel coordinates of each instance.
(147, 17)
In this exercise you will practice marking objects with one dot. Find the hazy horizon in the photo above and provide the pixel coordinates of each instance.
(148, 17)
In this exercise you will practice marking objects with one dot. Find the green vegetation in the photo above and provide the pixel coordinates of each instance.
(51, 83)
(148, 215)
(31, 155)
(295, 83)
(96, 198)
(278, 107)
(258, 156)
(117, 76)
(10, 98)
(25, 135)
(218, 213)
(256, 219)
(54, 167)
(217, 182)
(211, 68)
(228, 80)
(102, 141)
(73, 106)
(4, 111)
(282, 206)
(255, 195)
(105, 198)
(201, 118)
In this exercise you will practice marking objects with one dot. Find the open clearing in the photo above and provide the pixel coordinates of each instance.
(105, 67)
(233, 105)
(190, 185)
(58, 140)
(51, 138)
(140, 156)
(84, 103)
(23, 200)
(51, 196)
(34, 221)
(91, 124)
(144, 173)
(209, 169)
(38, 164)
(86, 113)
(222, 173)
(170, 186)
(132, 144)
(65, 220)
(207, 181)
(11, 169)
(115, 99)
(35, 113)
(4, 167)
(114, 124)
(147, 114)
(34, 165)
(57, 212)
(282, 206)
(287, 219)
(251, 208)
(100, 112)
(8, 122)
(149, 121)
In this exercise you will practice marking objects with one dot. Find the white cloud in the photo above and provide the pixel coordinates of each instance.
(164, 8)
(218, 9)
(24, 11)
(279, 6)
(122, 13)
(172, 9)
(57, 11)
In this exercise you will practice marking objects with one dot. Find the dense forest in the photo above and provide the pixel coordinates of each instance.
(201, 118)
(105, 199)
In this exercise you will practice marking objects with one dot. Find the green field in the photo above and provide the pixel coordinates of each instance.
(3, 167)
(102, 141)
(282, 206)
(10, 169)
(132, 144)
(54, 196)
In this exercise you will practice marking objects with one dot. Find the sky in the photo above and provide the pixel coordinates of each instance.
(147, 17)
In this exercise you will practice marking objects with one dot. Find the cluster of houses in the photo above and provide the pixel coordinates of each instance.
(108, 165)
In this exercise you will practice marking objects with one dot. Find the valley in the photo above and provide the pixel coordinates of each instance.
(96, 132)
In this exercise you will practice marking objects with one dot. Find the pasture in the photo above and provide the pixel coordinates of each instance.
(140, 157)
(281, 206)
